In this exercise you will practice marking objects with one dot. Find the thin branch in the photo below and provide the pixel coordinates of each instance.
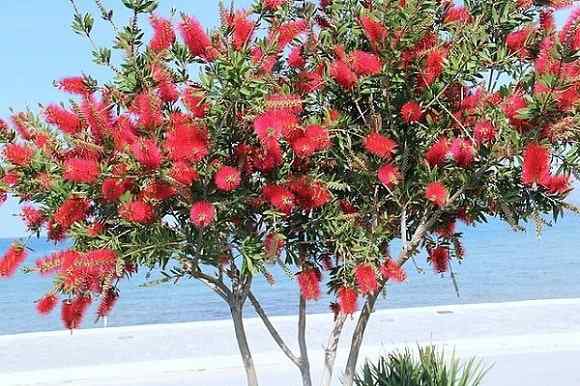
(272, 330)
(106, 15)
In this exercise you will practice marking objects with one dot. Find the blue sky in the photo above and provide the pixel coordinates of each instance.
(37, 47)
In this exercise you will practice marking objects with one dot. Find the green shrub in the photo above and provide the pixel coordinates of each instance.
(432, 367)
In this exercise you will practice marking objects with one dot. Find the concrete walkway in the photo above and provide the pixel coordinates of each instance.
(533, 343)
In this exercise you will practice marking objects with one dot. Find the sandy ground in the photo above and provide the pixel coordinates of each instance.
(533, 343)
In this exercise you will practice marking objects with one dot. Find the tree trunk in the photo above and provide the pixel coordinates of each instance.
(331, 347)
(357, 339)
(237, 317)
(304, 361)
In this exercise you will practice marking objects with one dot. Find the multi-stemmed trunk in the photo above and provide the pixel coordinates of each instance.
(357, 340)
(241, 337)
(302, 361)
(331, 348)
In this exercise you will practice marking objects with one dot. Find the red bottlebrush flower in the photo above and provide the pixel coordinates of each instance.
(556, 184)
(46, 304)
(319, 136)
(411, 112)
(147, 153)
(303, 147)
(22, 125)
(18, 155)
(167, 91)
(74, 311)
(273, 244)
(113, 188)
(484, 132)
(365, 64)
(512, 107)
(570, 34)
(347, 207)
(12, 259)
(124, 133)
(194, 101)
(389, 175)
(97, 114)
(516, 41)
(137, 211)
(318, 195)
(266, 62)
(343, 75)
(273, 5)
(280, 198)
(273, 124)
(187, 142)
(374, 31)
(309, 81)
(163, 34)
(81, 170)
(347, 300)
(290, 103)
(194, 37)
(67, 121)
(72, 210)
(183, 173)
(287, 32)
(437, 193)
(309, 283)
(147, 107)
(437, 153)
(462, 152)
(159, 191)
(366, 279)
(96, 229)
(439, 258)
(57, 261)
(536, 163)
(392, 271)
(33, 217)
(11, 179)
(107, 303)
(227, 178)
(203, 213)
(295, 58)
(457, 14)
(74, 85)
(243, 28)
(433, 66)
(379, 145)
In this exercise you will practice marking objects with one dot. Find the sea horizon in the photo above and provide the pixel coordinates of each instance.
(500, 266)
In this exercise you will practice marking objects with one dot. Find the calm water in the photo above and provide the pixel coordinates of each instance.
(500, 266)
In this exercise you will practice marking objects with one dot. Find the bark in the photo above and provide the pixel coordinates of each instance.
(237, 317)
(357, 339)
(304, 361)
(331, 348)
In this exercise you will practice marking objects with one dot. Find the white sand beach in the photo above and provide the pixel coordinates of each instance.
(532, 343)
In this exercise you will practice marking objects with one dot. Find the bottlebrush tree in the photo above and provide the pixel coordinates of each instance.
(309, 135)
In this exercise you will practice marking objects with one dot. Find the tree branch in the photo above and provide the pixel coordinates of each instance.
(272, 330)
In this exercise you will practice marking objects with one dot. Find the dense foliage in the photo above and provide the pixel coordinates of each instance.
(310, 135)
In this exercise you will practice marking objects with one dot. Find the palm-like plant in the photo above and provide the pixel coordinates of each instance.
(431, 367)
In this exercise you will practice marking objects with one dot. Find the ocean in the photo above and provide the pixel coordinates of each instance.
(500, 265)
